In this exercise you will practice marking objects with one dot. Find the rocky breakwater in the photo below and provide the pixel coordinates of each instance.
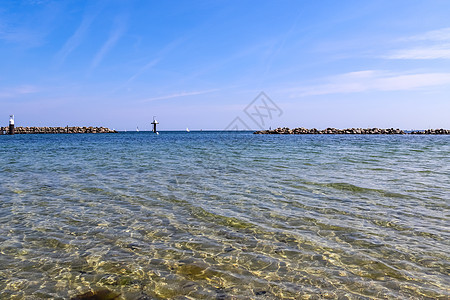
(302, 130)
(431, 131)
(42, 130)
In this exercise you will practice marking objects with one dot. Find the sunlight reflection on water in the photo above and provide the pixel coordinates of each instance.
(224, 215)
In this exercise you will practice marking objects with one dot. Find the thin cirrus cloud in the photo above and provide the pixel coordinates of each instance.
(142, 70)
(22, 33)
(442, 34)
(372, 80)
(14, 92)
(153, 62)
(437, 46)
(178, 95)
(23, 36)
(427, 52)
(77, 38)
(118, 30)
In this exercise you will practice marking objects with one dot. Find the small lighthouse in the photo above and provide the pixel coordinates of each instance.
(11, 124)
(154, 124)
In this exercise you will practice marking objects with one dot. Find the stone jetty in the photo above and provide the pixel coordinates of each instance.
(67, 129)
(431, 131)
(302, 130)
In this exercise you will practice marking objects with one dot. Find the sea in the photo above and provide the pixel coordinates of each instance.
(225, 215)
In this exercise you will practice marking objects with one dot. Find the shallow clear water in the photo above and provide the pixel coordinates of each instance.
(215, 215)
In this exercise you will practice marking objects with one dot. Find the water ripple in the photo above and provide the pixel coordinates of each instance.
(225, 216)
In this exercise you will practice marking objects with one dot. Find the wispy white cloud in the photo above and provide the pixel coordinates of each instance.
(25, 36)
(433, 44)
(160, 56)
(18, 91)
(153, 62)
(426, 52)
(21, 36)
(276, 49)
(75, 40)
(371, 80)
(30, 25)
(142, 70)
(442, 34)
(181, 94)
(117, 31)
(242, 53)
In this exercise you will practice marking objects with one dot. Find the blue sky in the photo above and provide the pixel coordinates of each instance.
(198, 64)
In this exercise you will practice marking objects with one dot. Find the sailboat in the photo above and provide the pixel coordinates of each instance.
(187, 129)
(137, 129)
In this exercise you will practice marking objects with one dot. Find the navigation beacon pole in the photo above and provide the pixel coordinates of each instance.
(11, 124)
(154, 124)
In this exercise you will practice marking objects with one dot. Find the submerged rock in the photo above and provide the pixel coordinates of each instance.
(104, 294)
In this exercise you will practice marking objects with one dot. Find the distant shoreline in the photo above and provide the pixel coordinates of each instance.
(49, 130)
(301, 130)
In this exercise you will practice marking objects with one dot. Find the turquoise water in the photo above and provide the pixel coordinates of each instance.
(217, 215)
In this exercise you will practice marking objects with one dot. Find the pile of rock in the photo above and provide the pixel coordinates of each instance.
(431, 131)
(74, 129)
(302, 130)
